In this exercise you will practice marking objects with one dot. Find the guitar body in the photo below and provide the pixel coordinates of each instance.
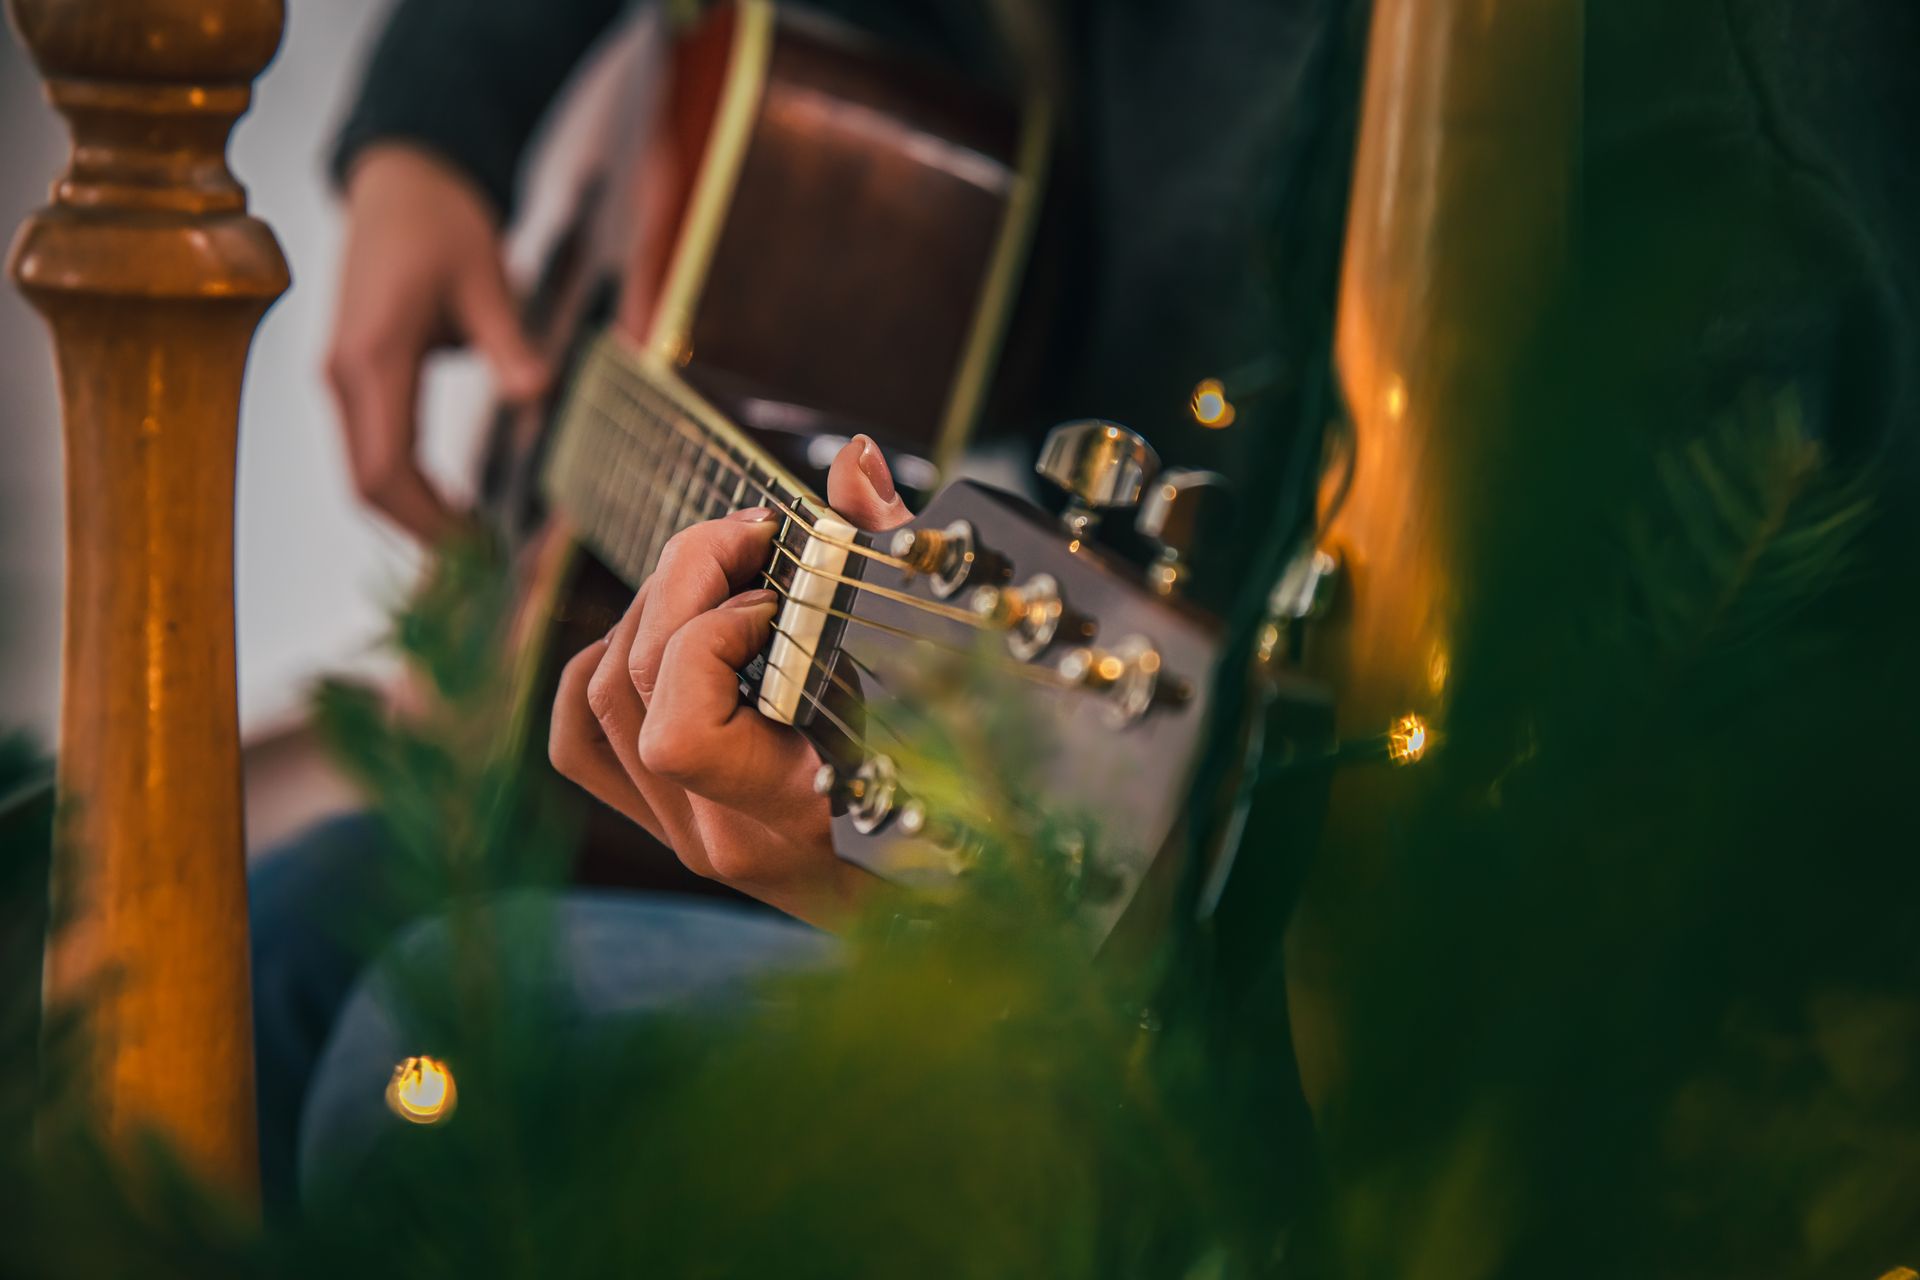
(816, 235)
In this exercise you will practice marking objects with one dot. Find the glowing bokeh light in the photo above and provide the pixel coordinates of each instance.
(1211, 408)
(422, 1091)
(1396, 399)
(1409, 739)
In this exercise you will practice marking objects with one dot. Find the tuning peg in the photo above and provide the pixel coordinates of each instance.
(1100, 464)
(1183, 510)
(1128, 675)
(950, 557)
(867, 797)
(1031, 614)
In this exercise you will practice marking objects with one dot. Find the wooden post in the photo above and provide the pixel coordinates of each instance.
(1458, 231)
(152, 278)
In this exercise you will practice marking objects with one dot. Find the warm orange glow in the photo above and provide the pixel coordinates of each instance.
(1111, 668)
(1409, 739)
(1211, 408)
(1396, 399)
(422, 1091)
(1901, 1273)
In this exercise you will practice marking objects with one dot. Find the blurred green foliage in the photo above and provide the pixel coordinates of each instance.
(1629, 986)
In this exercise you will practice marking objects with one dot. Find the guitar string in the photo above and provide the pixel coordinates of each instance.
(743, 469)
(852, 659)
(865, 703)
(949, 612)
(1038, 675)
(859, 743)
(712, 492)
(835, 678)
(624, 553)
(886, 593)
(895, 631)
(1035, 674)
(678, 426)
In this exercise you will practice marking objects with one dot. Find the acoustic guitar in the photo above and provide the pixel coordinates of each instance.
(820, 238)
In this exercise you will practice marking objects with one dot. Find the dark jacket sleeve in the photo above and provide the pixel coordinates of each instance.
(470, 80)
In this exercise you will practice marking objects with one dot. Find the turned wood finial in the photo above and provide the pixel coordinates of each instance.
(152, 278)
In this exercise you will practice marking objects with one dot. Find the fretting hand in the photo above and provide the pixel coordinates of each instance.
(649, 720)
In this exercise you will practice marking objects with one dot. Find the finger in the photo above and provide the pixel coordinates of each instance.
(376, 390)
(483, 310)
(790, 866)
(699, 568)
(621, 716)
(580, 750)
(860, 487)
(699, 734)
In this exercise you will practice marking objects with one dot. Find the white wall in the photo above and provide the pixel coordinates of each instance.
(30, 150)
(314, 572)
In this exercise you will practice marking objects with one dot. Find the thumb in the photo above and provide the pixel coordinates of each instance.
(483, 310)
(860, 488)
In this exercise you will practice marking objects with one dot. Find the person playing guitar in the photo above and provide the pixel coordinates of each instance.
(1152, 216)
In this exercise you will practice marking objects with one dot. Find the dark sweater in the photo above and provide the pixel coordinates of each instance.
(1172, 170)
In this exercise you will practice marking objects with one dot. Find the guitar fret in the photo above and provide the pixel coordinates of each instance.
(739, 486)
(631, 467)
(631, 475)
(668, 495)
(682, 516)
(693, 502)
(654, 441)
(622, 538)
(644, 533)
(608, 476)
(600, 511)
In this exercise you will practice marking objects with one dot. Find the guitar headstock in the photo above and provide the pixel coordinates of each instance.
(997, 675)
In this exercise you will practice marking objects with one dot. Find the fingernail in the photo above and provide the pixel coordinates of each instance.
(752, 515)
(749, 599)
(874, 467)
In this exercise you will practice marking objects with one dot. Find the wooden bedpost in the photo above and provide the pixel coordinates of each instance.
(152, 278)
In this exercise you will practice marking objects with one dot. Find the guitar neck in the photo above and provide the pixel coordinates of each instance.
(638, 455)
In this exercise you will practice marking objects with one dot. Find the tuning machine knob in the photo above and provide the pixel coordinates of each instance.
(1182, 511)
(1128, 675)
(868, 797)
(1101, 465)
(1032, 614)
(950, 557)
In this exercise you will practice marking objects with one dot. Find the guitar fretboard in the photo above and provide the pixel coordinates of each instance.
(638, 455)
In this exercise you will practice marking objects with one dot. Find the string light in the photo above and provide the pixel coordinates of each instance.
(1211, 408)
(1409, 739)
(1396, 399)
(422, 1091)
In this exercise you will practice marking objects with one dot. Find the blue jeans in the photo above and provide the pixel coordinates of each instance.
(329, 1029)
